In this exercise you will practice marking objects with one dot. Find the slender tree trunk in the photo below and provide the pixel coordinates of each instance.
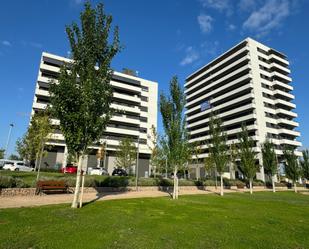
(250, 183)
(295, 187)
(82, 191)
(36, 162)
(78, 178)
(273, 182)
(216, 180)
(40, 161)
(175, 189)
(221, 183)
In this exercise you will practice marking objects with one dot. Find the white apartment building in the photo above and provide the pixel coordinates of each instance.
(136, 98)
(248, 84)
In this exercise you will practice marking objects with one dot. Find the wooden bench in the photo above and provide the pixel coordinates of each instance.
(51, 187)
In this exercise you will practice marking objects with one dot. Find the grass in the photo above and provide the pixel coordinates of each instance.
(263, 220)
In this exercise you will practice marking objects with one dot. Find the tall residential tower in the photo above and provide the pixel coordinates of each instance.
(136, 98)
(249, 84)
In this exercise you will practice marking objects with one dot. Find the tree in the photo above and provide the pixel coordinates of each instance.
(31, 146)
(82, 99)
(305, 164)
(14, 157)
(126, 154)
(196, 151)
(218, 149)
(269, 161)
(247, 156)
(175, 142)
(233, 152)
(157, 158)
(2, 153)
(292, 169)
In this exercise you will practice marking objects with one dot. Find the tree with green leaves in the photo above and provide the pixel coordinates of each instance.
(157, 158)
(196, 151)
(247, 156)
(175, 141)
(218, 149)
(2, 153)
(305, 164)
(126, 154)
(32, 145)
(292, 169)
(82, 98)
(233, 156)
(14, 157)
(269, 161)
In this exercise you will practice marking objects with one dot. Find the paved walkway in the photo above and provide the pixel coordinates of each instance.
(30, 201)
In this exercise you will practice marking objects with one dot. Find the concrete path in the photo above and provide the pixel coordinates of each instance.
(30, 201)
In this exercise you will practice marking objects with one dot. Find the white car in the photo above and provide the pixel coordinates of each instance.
(17, 166)
(97, 171)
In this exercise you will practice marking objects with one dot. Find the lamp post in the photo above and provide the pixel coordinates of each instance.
(8, 140)
(136, 168)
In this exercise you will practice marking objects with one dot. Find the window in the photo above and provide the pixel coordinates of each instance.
(145, 88)
(143, 98)
(143, 108)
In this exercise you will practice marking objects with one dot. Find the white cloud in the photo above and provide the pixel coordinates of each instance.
(247, 5)
(231, 27)
(209, 48)
(205, 22)
(221, 5)
(6, 43)
(268, 17)
(32, 44)
(191, 56)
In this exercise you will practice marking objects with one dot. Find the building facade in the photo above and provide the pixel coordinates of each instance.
(134, 98)
(249, 84)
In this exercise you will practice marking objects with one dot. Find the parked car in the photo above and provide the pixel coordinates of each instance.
(119, 172)
(5, 161)
(69, 169)
(17, 166)
(97, 171)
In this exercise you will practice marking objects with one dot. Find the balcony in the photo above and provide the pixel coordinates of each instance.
(291, 142)
(285, 103)
(243, 59)
(126, 87)
(283, 85)
(287, 122)
(282, 76)
(289, 132)
(49, 68)
(122, 131)
(222, 88)
(39, 106)
(41, 92)
(127, 97)
(287, 113)
(284, 94)
(226, 104)
(125, 119)
(276, 65)
(276, 57)
(124, 108)
(217, 65)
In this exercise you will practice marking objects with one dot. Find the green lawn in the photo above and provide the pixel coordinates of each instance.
(263, 220)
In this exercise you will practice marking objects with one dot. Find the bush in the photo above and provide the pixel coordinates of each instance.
(50, 170)
(12, 182)
(258, 183)
(209, 183)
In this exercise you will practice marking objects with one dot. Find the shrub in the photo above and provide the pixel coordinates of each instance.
(209, 183)
(12, 182)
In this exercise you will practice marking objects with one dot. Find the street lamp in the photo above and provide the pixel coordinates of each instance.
(8, 140)
(136, 169)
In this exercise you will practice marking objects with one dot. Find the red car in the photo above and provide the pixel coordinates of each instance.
(69, 169)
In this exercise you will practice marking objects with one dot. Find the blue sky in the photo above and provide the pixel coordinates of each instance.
(161, 39)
